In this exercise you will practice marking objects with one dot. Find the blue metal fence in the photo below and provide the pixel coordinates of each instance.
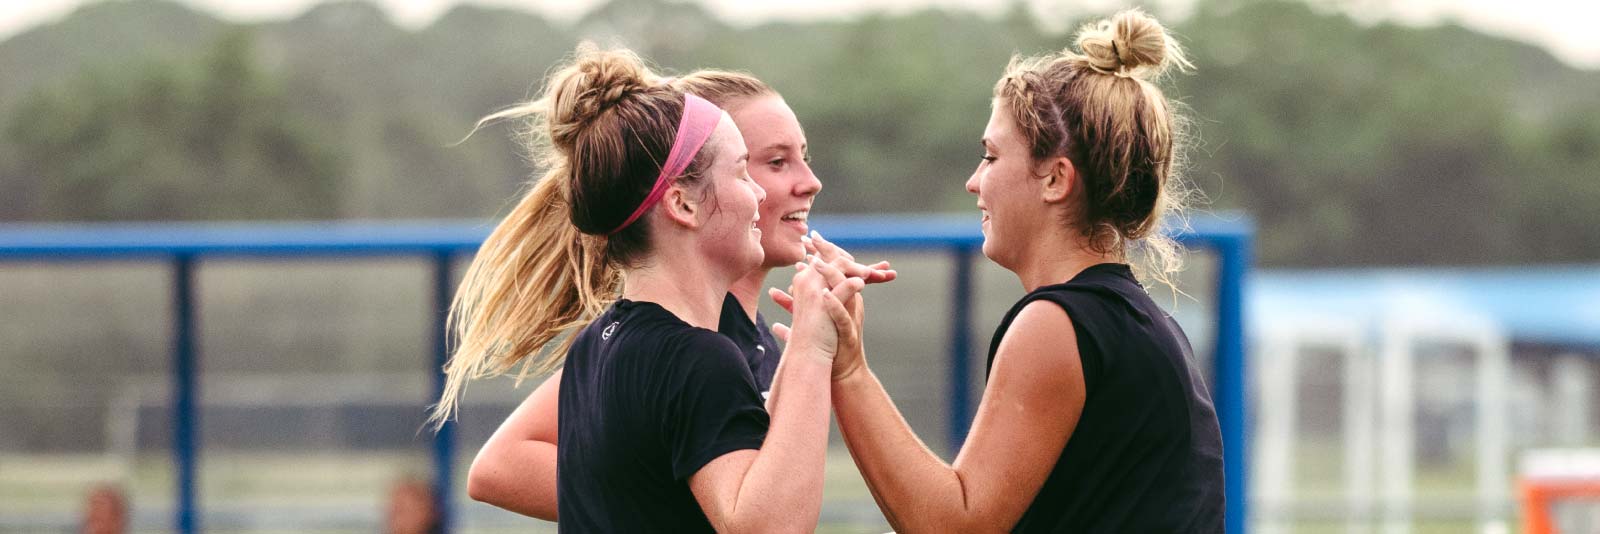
(441, 242)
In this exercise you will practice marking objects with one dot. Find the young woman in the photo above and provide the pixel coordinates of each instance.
(663, 425)
(1094, 418)
(516, 468)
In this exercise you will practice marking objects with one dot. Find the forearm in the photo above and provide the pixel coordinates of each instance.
(517, 476)
(916, 490)
(784, 482)
(772, 391)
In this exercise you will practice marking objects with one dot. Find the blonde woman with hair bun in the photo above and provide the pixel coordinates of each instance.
(516, 468)
(626, 248)
(1095, 417)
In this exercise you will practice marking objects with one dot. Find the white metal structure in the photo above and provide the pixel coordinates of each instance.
(1399, 338)
(1281, 346)
(1379, 415)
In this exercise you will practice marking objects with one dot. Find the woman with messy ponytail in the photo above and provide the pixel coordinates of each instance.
(1095, 418)
(516, 468)
(644, 218)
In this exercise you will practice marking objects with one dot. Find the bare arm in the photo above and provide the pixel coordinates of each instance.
(779, 487)
(516, 468)
(1029, 409)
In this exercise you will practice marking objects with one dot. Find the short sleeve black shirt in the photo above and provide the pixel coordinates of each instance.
(754, 340)
(646, 401)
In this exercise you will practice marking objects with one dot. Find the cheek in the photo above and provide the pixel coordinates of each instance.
(769, 183)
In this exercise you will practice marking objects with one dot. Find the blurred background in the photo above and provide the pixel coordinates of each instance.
(1423, 314)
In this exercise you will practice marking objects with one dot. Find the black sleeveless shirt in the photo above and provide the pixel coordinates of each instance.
(1146, 455)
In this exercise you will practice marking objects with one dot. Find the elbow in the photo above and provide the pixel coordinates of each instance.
(773, 522)
(975, 522)
(480, 484)
(478, 489)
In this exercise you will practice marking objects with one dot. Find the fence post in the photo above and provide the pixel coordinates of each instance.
(961, 348)
(1232, 376)
(186, 420)
(444, 439)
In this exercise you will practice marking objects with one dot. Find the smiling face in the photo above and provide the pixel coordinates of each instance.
(1010, 196)
(780, 163)
(731, 235)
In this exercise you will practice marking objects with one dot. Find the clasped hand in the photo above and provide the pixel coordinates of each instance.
(829, 282)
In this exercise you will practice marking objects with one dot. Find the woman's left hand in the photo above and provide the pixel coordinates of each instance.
(851, 353)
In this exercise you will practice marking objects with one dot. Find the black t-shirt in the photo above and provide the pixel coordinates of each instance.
(754, 340)
(646, 401)
(1146, 455)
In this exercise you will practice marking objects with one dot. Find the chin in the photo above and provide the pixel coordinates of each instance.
(784, 256)
(993, 252)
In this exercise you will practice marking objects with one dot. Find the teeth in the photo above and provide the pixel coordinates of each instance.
(797, 215)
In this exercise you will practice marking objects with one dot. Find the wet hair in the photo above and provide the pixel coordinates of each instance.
(1099, 107)
(600, 129)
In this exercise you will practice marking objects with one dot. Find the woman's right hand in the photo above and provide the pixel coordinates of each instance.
(821, 322)
(850, 355)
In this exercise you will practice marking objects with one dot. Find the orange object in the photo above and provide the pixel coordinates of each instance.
(1556, 475)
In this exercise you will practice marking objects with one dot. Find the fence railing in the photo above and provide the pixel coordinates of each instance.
(184, 245)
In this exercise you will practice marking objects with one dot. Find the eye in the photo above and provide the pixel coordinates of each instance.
(988, 158)
(777, 164)
(806, 158)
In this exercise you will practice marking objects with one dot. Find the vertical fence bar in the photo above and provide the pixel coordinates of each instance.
(185, 419)
(444, 439)
(960, 348)
(1232, 376)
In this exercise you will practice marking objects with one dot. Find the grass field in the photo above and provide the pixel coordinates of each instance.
(329, 493)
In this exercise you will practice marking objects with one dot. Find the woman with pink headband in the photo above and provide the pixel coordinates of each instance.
(516, 468)
(661, 424)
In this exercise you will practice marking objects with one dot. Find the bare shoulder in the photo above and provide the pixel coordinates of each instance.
(1042, 328)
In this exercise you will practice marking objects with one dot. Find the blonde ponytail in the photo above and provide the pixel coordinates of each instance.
(534, 278)
(601, 128)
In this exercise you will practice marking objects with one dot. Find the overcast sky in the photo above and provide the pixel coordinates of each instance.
(1568, 28)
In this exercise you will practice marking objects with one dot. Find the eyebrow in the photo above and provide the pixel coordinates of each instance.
(780, 146)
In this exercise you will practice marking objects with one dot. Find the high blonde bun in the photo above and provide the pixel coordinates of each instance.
(1130, 43)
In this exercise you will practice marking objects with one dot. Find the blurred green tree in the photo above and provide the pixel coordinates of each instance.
(1351, 143)
(213, 138)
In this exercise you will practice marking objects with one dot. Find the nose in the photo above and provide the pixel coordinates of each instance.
(761, 192)
(972, 183)
(809, 184)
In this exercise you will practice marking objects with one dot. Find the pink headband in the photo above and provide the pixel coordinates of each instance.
(700, 118)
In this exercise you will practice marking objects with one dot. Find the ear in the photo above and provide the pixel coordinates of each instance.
(677, 207)
(1058, 177)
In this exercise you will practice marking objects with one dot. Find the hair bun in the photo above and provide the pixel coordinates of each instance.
(1130, 43)
(598, 80)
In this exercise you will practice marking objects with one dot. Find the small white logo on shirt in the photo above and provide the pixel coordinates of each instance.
(610, 329)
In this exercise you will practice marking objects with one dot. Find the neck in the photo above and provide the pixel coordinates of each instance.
(683, 283)
(1058, 259)
(747, 290)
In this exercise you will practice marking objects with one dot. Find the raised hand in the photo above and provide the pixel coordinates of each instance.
(821, 321)
(841, 259)
(849, 354)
